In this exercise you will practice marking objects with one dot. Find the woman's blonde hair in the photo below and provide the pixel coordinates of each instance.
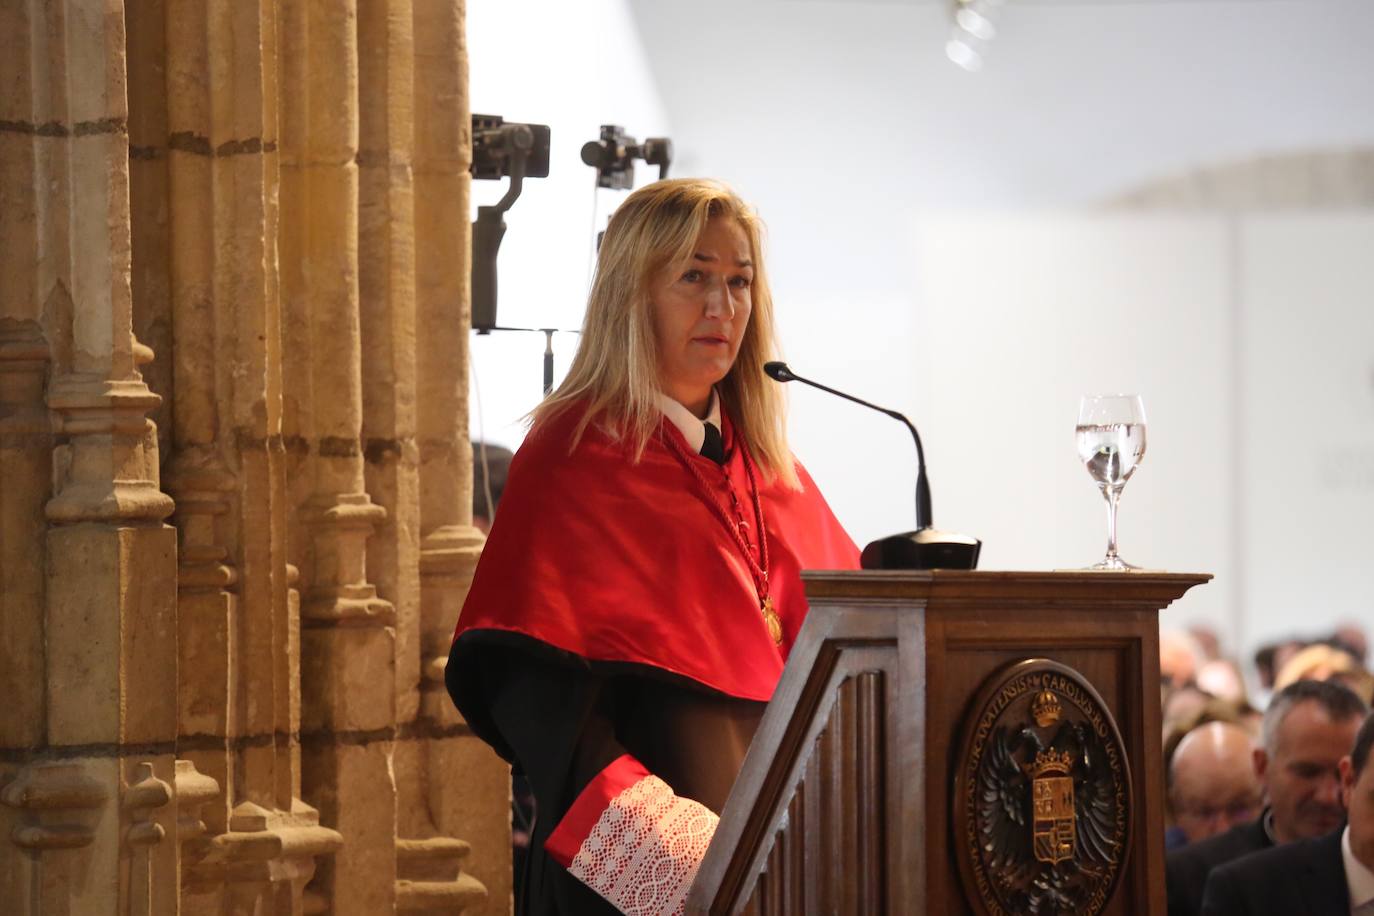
(1320, 662)
(614, 377)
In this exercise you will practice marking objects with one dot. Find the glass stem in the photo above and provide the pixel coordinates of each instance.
(1113, 496)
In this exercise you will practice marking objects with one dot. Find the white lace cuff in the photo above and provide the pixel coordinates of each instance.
(644, 850)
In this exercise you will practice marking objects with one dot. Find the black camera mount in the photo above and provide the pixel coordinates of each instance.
(614, 154)
(499, 150)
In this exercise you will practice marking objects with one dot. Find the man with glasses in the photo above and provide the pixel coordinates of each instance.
(1332, 875)
(1308, 728)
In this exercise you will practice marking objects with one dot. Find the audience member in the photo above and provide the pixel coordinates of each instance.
(1221, 678)
(1324, 662)
(1210, 709)
(1185, 708)
(1329, 876)
(1270, 658)
(1308, 727)
(1352, 637)
(1212, 783)
(1207, 641)
(1179, 659)
(490, 463)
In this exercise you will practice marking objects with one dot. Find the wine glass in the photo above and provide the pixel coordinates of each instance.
(1111, 442)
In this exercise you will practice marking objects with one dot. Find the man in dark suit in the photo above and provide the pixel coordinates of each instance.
(1329, 876)
(1308, 728)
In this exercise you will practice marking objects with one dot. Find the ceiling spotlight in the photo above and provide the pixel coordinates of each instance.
(972, 28)
(964, 54)
(975, 23)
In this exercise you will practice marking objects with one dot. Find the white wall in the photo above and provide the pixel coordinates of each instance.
(573, 66)
(1030, 313)
(1307, 433)
(1249, 338)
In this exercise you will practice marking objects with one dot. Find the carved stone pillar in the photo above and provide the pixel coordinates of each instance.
(287, 384)
(429, 875)
(386, 275)
(26, 469)
(88, 832)
(347, 636)
(148, 201)
(193, 791)
(217, 282)
(468, 786)
(25, 473)
(26, 448)
(58, 808)
(26, 440)
(205, 216)
(142, 798)
(198, 205)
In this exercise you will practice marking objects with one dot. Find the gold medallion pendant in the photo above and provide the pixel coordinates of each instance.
(774, 622)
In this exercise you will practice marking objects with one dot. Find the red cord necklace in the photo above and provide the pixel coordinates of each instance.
(757, 567)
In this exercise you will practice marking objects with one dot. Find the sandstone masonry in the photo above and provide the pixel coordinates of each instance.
(235, 482)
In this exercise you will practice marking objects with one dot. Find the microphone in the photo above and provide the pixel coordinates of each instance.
(779, 372)
(924, 548)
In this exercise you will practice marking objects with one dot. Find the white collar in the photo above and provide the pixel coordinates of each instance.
(692, 428)
(1359, 878)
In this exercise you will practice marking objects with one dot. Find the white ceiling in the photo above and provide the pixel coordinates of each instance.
(1032, 2)
(843, 120)
(1077, 101)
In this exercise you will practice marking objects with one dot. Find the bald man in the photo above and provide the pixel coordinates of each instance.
(1212, 782)
(1308, 727)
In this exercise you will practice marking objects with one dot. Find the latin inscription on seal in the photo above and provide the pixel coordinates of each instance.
(1042, 802)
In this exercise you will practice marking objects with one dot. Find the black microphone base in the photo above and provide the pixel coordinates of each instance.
(925, 548)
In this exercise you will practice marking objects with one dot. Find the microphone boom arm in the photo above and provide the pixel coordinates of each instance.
(782, 373)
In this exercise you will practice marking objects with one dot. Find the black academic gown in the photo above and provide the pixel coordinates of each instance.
(613, 614)
(561, 721)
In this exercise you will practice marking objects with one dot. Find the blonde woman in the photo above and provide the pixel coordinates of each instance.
(640, 588)
(1322, 662)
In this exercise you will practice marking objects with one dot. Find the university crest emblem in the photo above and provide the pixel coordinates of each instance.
(1042, 803)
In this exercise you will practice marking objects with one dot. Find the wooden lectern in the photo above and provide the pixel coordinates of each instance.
(950, 742)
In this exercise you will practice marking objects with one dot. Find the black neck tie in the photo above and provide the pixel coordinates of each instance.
(712, 447)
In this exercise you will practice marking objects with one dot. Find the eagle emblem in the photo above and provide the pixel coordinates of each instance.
(1042, 806)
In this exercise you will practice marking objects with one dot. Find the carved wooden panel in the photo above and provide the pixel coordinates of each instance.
(844, 803)
(824, 801)
(828, 853)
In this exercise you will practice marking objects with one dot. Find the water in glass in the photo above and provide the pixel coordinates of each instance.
(1110, 451)
(1110, 436)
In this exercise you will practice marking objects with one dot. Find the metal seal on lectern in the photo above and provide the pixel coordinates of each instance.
(1042, 795)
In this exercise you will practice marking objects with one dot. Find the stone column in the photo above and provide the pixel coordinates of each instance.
(205, 216)
(26, 444)
(87, 832)
(26, 448)
(468, 786)
(347, 634)
(386, 277)
(153, 756)
(428, 864)
(27, 831)
(171, 245)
